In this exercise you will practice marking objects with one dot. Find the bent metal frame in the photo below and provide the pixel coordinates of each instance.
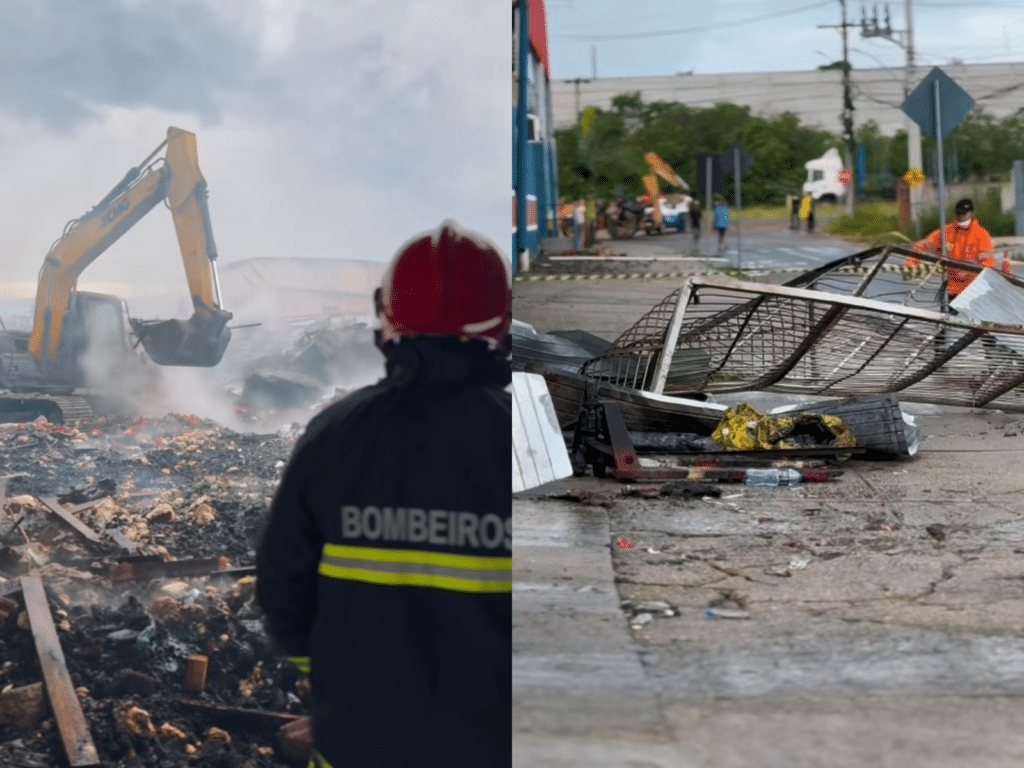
(859, 325)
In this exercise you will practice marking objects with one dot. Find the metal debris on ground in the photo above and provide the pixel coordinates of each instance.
(858, 326)
(717, 612)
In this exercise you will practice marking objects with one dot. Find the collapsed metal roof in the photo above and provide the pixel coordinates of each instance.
(859, 325)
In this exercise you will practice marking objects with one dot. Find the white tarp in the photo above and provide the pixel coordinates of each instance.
(538, 448)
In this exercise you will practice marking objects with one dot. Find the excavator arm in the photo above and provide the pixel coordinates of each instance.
(663, 169)
(200, 340)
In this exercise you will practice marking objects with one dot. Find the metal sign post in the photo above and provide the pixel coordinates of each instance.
(942, 186)
(707, 182)
(739, 238)
(938, 105)
(941, 169)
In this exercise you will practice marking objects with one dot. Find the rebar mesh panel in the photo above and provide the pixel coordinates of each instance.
(739, 336)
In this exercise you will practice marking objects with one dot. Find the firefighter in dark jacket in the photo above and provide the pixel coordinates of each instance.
(386, 564)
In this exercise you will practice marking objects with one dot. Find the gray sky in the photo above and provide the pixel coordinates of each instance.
(325, 127)
(663, 37)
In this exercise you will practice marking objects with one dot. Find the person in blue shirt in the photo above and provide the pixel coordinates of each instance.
(721, 220)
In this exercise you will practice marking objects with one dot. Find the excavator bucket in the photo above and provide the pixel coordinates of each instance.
(198, 342)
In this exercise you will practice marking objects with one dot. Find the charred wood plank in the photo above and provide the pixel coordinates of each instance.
(144, 569)
(51, 503)
(76, 509)
(237, 717)
(240, 570)
(74, 731)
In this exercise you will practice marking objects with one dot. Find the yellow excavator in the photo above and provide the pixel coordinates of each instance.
(660, 168)
(83, 345)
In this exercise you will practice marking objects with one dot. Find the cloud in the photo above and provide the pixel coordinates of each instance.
(325, 128)
(73, 58)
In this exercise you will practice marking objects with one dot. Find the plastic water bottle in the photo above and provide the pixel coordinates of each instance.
(769, 477)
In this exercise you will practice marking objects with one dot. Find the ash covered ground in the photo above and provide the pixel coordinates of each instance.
(175, 487)
(162, 489)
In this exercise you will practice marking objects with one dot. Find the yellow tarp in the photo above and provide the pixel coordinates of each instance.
(743, 428)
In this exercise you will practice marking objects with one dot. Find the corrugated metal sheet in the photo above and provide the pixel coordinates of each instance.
(549, 351)
(538, 448)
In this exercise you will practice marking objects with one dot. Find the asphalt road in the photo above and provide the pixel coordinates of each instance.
(755, 245)
(883, 612)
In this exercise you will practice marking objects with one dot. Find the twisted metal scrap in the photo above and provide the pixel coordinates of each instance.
(857, 326)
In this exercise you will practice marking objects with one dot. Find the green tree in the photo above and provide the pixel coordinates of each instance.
(593, 160)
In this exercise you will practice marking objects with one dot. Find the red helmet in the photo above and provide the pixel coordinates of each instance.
(449, 282)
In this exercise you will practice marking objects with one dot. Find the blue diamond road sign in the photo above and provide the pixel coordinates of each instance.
(954, 103)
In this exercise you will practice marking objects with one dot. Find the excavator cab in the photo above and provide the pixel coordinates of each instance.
(97, 345)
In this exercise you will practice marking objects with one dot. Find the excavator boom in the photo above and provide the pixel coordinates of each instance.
(665, 170)
(175, 178)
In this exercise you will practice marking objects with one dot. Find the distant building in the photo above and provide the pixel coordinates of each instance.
(536, 150)
(815, 97)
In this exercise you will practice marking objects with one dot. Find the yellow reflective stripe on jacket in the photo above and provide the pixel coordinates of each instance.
(417, 568)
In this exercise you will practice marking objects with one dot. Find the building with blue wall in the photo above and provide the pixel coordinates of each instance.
(534, 166)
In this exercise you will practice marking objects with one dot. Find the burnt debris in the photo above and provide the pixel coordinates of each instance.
(137, 539)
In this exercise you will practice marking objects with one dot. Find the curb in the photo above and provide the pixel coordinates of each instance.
(528, 278)
(599, 276)
(634, 276)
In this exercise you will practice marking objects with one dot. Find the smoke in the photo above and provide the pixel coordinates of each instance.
(303, 157)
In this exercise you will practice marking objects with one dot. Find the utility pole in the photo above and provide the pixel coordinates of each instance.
(847, 114)
(904, 39)
(577, 81)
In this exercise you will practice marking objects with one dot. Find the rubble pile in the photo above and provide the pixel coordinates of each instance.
(310, 368)
(144, 535)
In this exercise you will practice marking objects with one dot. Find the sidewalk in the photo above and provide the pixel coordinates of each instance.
(581, 697)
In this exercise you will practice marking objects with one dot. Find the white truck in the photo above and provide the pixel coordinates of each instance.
(823, 177)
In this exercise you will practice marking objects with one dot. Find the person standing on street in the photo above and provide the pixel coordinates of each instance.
(793, 202)
(590, 216)
(807, 210)
(579, 217)
(695, 214)
(966, 240)
(385, 568)
(721, 220)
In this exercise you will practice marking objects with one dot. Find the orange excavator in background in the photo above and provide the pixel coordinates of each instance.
(82, 345)
(660, 168)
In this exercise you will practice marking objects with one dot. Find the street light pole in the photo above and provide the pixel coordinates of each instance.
(913, 129)
(846, 115)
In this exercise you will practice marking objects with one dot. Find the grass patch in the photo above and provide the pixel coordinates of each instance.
(877, 221)
(761, 213)
(871, 221)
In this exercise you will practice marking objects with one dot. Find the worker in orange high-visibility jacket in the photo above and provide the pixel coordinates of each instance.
(966, 240)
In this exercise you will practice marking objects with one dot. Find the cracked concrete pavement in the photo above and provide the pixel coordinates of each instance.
(884, 610)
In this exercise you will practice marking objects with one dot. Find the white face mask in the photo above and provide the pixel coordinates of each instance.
(964, 224)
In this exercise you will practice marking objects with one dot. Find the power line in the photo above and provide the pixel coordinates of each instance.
(690, 30)
(989, 6)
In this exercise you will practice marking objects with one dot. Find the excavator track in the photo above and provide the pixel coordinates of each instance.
(58, 409)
